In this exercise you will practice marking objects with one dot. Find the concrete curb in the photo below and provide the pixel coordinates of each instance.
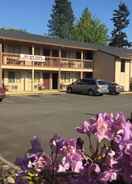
(126, 93)
(36, 93)
(8, 163)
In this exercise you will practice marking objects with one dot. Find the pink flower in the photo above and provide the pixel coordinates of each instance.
(102, 128)
(64, 166)
(84, 128)
(127, 131)
(41, 162)
(109, 175)
(77, 167)
(111, 161)
(96, 168)
(128, 149)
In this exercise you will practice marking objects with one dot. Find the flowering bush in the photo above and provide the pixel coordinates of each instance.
(102, 154)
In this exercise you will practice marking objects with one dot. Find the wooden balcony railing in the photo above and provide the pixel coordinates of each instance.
(10, 59)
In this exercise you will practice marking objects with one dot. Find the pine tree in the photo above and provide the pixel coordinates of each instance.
(121, 21)
(89, 29)
(61, 21)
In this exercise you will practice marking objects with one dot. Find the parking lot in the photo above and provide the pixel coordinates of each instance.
(23, 117)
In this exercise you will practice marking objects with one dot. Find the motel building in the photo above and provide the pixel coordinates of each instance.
(30, 63)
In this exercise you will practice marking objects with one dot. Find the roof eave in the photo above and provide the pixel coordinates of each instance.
(114, 55)
(45, 43)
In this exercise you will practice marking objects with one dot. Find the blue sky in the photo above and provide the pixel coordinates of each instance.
(33, 15)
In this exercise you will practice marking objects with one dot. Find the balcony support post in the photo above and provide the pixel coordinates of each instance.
(82, 57)
(59, 73)
(81, 75)
(51, 53)
(50, 87)
(33, 70)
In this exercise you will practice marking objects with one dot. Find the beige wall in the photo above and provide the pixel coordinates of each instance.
(18, 84)
(131, 75)
(131, 69)
(104, 66)
(68, 77)
(23, 80)
(122, 78)
(107, 67)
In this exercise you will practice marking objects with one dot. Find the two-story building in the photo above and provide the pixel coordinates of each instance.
(28, 61)
(31, 62)
(114, 64)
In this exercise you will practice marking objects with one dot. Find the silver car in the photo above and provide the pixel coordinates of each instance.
(2, 92)
(88, 86)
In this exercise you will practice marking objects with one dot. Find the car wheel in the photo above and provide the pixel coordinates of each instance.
(114, 93)
(0, 99)
(91, 92)
(69, 90)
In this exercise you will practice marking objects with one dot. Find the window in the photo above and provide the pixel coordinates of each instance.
(88, 55)
(122, 66)
(14, 48)
(37, 51)
(87, 81)
(46, 52)
(11, 77)
(37, 77)
(102, 82)
(78, 55)
(55, 53)
(30, 50)
(64, 53)
(91, 82)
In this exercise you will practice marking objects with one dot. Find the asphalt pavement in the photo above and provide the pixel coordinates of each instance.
(25, 116)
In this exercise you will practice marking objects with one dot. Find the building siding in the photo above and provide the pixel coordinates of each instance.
(122, 78)
(104, 66)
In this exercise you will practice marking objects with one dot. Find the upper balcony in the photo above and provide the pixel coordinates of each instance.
(14, 61)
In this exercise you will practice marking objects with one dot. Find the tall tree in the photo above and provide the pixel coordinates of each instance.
(61, 21)
(89, 29)
(121, 21)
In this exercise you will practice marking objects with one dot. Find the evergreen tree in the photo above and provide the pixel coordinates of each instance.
(61, 21)
(89, 29)
(121, 21)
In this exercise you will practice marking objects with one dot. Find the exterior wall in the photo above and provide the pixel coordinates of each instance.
(1, 64)
(107, 67)
(69, 77)
(131, 69)
(131, 75)
(104, 66)
(17, 84)
(123, 78)
(23, 80)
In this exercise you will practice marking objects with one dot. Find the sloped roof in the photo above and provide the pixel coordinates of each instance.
(12, 34)
(19, 35)
(118, 52)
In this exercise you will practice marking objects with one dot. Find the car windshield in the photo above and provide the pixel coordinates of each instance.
(102, 82)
